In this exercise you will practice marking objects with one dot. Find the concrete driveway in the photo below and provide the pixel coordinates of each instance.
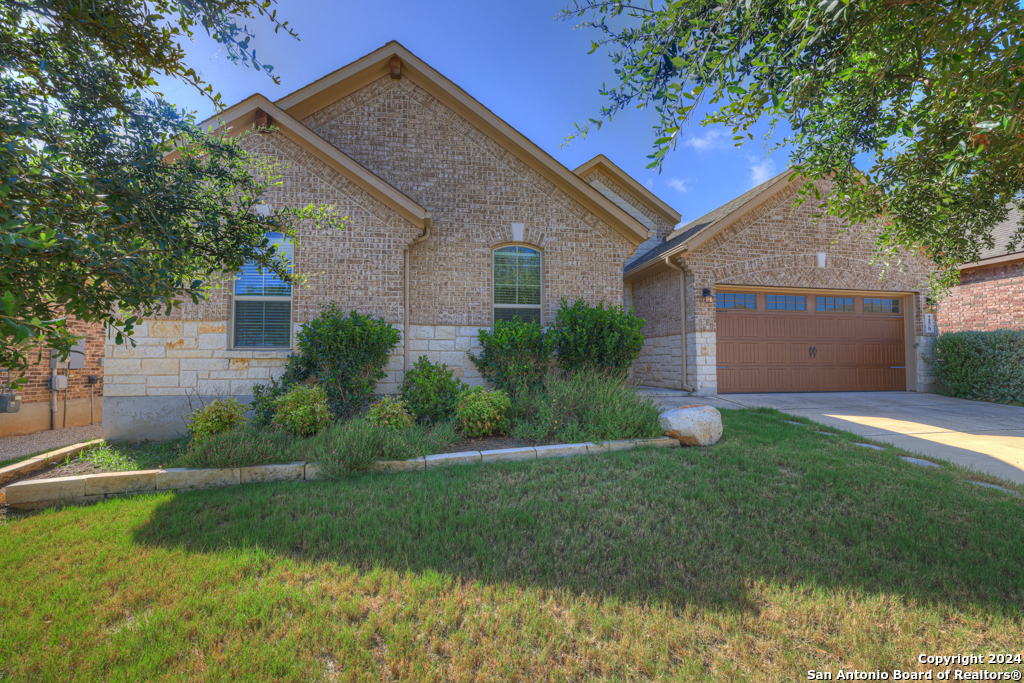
(986, 437)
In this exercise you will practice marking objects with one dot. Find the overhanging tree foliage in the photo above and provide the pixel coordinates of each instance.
(94, 222)
(912, 108)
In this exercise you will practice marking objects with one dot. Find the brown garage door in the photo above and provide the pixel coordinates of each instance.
(782, 341)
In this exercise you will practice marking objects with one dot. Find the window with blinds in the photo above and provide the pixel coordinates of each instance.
(263, 305)
(517, 283)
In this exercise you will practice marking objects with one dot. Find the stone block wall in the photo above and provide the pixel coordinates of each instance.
(660, 362)
(987, 298)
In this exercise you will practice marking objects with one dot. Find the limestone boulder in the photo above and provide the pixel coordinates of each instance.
(695, 425)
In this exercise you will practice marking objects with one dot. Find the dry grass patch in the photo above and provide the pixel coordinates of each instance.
(777, 551)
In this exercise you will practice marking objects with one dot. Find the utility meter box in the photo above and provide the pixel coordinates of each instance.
(10, 403)
(58, 382)
(75, 361)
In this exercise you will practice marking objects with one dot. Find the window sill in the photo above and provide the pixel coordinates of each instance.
(258, 353)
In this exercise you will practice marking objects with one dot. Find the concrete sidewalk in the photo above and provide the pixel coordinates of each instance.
(986, 437)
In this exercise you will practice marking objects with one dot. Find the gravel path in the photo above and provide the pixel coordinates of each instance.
(17, 446)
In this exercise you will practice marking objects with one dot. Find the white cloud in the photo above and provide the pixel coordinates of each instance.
(677, 184)
(712, 138)
(649, 184)
(761, 172)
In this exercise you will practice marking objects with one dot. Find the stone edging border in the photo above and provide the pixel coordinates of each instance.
(93, 487)
(36, 463)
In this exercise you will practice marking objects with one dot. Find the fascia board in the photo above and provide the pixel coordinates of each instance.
(235, 119)
(350, 78)
(645, 196)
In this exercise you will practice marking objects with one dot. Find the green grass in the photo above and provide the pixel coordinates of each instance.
(777, 551)
(134, 456)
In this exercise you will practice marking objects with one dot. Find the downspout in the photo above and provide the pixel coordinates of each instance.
(682, 319)
(428, 221)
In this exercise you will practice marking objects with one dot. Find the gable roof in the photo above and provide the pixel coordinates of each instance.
(638, 191)
(311, 98)
(688, 237)
(241, 116)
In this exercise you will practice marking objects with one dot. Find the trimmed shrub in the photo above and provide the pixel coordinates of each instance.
(600, 339)
(983, 366)
(585, 406)
(354, 447)
(515, 354)
(483, 413)
(302, 411)
(347, 354)
(216, 417)
(431, 391)
(389, 412)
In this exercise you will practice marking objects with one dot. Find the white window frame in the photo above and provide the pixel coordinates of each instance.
(543, 274)
(235, 298)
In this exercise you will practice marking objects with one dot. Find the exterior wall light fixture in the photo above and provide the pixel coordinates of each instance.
(706, 293)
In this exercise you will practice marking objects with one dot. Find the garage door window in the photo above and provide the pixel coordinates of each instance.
(835, 304)
(891, 306)
(777, 302)
(733, 300)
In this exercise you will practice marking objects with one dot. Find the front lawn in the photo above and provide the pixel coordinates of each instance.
(777, 551)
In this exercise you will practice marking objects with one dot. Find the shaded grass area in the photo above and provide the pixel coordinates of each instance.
(777, 551)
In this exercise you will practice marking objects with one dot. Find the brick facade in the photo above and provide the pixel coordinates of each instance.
(988, 298)
(775, 245)
(476, 189)
(84, 401)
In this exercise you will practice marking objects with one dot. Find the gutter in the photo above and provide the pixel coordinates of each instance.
(682, 319)
(428, 222)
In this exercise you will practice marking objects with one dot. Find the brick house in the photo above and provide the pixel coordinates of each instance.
(990, 295)
(455, 220)
(769, 298)
(81, 403)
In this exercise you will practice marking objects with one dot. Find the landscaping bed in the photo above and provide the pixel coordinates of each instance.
(777, 551)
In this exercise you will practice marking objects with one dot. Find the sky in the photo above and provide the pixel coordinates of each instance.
(530, 69)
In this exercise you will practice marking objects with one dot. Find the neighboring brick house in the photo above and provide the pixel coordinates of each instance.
(442, 196)
(775, 299)
(43, 409)
(990, 295)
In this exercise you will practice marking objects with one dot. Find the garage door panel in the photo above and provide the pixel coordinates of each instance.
(811, 350)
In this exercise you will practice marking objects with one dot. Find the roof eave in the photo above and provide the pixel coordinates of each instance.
(236, 119)
(645, 196)
(348, 79)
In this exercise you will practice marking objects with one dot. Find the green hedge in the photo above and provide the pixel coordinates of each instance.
(984, 366)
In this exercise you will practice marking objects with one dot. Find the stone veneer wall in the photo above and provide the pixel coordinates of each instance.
(987, 298)
(656, 300)
(476, 189)
(776, 245)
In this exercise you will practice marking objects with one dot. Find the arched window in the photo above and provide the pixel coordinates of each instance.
(517, 283)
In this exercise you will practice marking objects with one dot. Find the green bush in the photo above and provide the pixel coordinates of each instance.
(600, 339)
(264, 396)
(390, 412)
(584, 406)
(302, 411)
(354, 446)
(515, 354)
(347, 354)
(431, 391)
(216, 417)
(241, 448)
(483, 413)
(983, 366)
